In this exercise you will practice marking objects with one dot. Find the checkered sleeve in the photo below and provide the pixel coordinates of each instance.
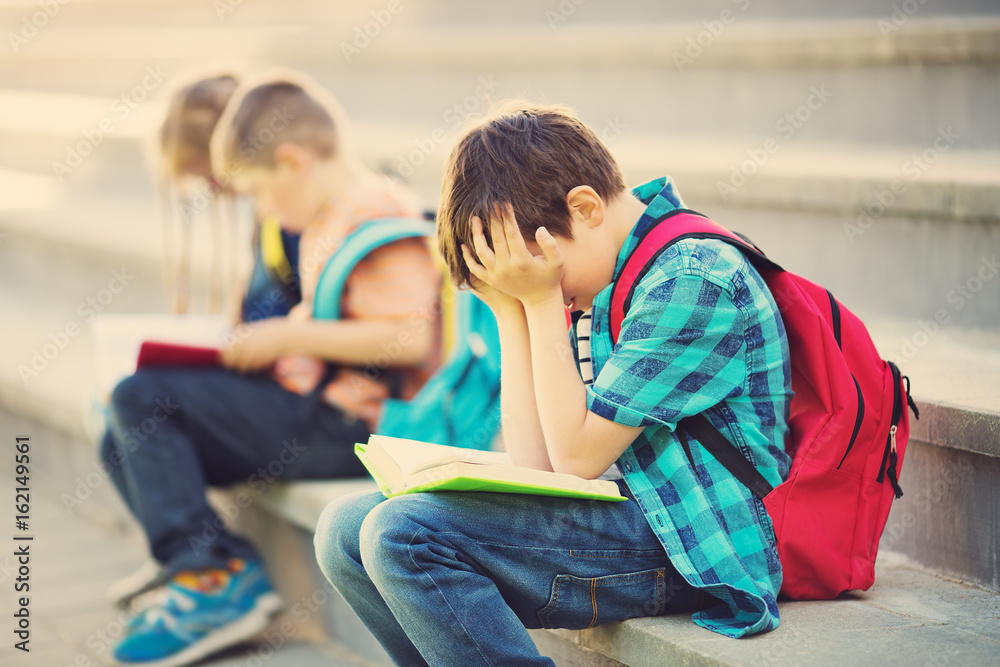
(681, 350)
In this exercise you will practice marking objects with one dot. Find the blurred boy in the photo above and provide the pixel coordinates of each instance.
(293, 399)
(535, 215)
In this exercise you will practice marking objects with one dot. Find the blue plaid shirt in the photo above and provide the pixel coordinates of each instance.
(702, 334)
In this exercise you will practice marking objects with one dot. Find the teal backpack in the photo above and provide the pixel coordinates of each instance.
(460, 404)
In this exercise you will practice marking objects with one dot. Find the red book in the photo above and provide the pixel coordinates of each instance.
(158, 355)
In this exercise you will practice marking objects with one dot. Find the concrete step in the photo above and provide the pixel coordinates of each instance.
(914, 269)
(747, 43)
(89, 142)
(454, 12)
(908, 617)
(932, 72)
(940, 179)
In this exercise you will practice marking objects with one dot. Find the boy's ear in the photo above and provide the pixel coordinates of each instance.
(585, 206)
(291, 156)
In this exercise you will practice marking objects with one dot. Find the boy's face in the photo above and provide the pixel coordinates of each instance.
(293, 190)
(276, 192)
(588, 264)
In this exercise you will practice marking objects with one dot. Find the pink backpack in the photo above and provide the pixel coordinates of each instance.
(849, 423)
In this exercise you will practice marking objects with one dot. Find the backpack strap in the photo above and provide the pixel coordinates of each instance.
(362, 241)
(367, 237)
(725, 453)
(661, 234)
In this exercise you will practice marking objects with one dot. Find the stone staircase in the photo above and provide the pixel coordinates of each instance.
(856, 143)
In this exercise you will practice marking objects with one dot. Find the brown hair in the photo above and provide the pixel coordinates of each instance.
(527, 156)
(285, 107)
(192, 115)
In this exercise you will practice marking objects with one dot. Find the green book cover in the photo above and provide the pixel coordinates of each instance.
(455, 469)
(383, 486)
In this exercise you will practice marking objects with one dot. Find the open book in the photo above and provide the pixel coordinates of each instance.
(409, 466)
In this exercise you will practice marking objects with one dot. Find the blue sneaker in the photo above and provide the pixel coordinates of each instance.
(203, 612)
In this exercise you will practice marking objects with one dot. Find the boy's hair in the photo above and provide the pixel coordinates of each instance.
(530, 157)
(279, 108)
(192, 115)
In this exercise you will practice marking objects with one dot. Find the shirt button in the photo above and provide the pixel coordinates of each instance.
(628, 466)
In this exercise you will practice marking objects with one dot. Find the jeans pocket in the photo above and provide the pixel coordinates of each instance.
(577, 603)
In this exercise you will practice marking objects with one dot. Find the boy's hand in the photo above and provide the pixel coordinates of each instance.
(510, 267)
(258, 349)
(499, 302)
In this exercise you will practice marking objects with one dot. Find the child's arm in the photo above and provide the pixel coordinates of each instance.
(577, 441)
(392, 296)
(522, 430)
(408, 341)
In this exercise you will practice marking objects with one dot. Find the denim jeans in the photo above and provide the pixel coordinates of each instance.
(173, 432)
(453, 578)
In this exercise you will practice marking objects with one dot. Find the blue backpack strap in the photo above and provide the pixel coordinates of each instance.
(367, 237)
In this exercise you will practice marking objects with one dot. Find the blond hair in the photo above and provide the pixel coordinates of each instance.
(186, 132)
(277, 108)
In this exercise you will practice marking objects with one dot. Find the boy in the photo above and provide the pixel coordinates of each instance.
(293, 398)
(535, 216)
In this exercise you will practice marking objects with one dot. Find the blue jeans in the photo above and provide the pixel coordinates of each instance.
(454, 578)
(173, 432)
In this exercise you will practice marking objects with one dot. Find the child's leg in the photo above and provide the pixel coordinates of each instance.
(112, 459)
(464, 573)
(177, 431)
(338, 552)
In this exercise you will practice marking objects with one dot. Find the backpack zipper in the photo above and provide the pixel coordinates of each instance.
(835, 318)
(890, 454)
(857, 420)
(835, 324)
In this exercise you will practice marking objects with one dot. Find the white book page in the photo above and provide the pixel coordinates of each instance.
(413, 455)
